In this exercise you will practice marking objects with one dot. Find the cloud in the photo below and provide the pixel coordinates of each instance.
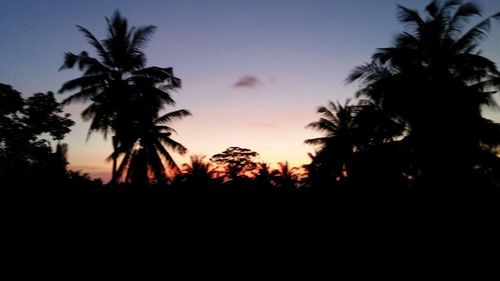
(247, 82)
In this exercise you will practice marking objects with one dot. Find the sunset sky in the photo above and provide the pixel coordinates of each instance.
(253, 72)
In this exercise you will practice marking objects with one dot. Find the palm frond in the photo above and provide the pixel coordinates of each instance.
(83, 95)
(84, 82)
(409, 16)
(165, 129)
(168, 158)
(317, 141)
(100, 123)
(462, 16)
(178, 114)
(103, 54)
(368, 73)
(70, 60)
(474, 35)
(323, 125)
(175, 146)
(403, 40)
(158, 75)
(471, 67)
(140, 37)
(327, 113)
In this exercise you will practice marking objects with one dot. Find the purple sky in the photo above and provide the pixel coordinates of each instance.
(253, 71)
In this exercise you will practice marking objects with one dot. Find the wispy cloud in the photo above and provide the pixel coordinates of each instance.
(247, 82)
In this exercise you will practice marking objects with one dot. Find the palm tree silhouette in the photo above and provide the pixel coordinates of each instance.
(338, 144)
(144, 152)
(263, 176)
(434, 66)
(348, 129)
(198, 168)
(285, 177)
(198, 175)
(116, 80)
(434, 79)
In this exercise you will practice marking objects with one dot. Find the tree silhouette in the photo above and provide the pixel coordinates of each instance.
(118, 80)
(434, 79)
(263, 177)
(285, 178)
(236, 161)
(197, 175)
(348, 129)
(11, 103)
(27, 127)
(338, 144)
(144, 150)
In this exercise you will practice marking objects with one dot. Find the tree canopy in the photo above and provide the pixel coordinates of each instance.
(27, 127)
(236, 161)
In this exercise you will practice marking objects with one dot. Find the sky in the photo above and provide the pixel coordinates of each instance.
(253, 72)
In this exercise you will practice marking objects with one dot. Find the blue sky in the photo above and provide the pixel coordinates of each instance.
(297, 53)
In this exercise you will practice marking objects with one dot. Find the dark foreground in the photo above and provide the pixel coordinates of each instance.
(159, 234)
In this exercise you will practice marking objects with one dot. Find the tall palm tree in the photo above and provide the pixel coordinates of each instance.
(433, 68)
(117, 79)
(144, 152)
(434, 79)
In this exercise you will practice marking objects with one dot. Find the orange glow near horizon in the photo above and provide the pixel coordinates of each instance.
(102, 169)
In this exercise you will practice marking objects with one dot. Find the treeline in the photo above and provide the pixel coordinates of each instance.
(416, 127)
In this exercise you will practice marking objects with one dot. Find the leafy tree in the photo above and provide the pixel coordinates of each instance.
(27, 128)
(236, 161)
(12, 102)
(118, 81)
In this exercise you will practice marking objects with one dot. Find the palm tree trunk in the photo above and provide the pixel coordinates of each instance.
(114, 174)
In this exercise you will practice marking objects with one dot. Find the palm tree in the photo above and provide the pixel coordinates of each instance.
(198, 175)
(338, 144)
(434, 79)
(285, 177)
(117, 80)
(198, 168)
(263, 174)
(144, 152)
(348, 129)
(434, 66)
